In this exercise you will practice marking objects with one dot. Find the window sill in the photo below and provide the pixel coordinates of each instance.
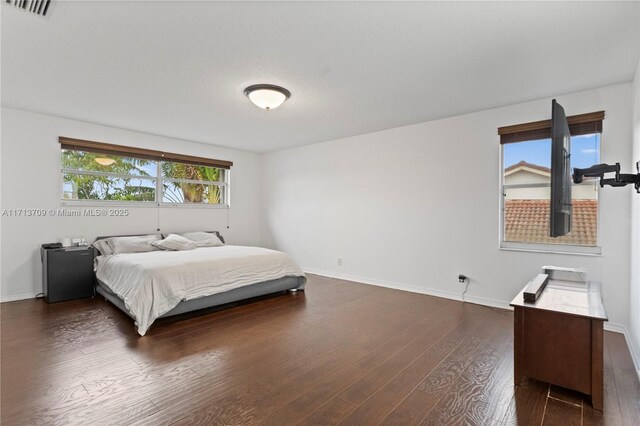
(195, 206)
(139, 204)
(564, 250)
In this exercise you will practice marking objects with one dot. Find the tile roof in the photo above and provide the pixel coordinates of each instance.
(528, 221)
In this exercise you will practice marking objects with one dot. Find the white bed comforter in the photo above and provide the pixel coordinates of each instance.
(153, 283)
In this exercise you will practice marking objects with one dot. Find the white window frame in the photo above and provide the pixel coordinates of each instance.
(570, 249)
(224, 185)
(159, 195)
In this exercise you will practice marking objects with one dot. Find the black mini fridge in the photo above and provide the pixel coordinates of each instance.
(67, 273)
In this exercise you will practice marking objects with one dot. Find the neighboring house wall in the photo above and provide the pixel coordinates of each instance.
(579, 192)
(436, 214)
(585, 191)
(31, 180)
(524, 175)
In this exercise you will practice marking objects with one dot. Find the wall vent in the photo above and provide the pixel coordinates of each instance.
(39, 7)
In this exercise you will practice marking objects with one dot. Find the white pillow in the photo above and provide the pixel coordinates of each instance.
(138, 244)
(103, 247)
(203, 239)
(175, 242)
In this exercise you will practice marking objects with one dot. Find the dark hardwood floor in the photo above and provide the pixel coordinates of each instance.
(340, 352)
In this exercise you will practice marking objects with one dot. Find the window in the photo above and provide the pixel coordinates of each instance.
(526, 186)
(104, 173)
(187, 183)
(100, 177)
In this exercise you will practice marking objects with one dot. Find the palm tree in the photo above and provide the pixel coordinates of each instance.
(192, 192)
(97, 187)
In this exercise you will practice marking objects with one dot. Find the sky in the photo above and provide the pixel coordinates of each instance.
(585, 151)
(150, 168)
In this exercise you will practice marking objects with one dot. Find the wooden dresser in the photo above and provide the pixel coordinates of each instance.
(558, 338)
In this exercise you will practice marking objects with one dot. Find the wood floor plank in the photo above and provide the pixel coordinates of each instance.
(280, 358)
(611, 410)
(312, 340)
(625, 377)
(566, 395)
(381, 399)
(528, 404)
(417, 404)
(560, 413)
(336, 381)
(340, 352)
(249, 402)
(482, 391)
(367, 385)
(328, 414)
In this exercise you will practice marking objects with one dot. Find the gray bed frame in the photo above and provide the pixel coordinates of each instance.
(254, 290)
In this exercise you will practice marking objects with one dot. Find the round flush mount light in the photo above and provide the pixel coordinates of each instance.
(267, 96)
(104, 161)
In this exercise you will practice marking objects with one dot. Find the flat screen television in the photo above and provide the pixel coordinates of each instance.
(560, 213)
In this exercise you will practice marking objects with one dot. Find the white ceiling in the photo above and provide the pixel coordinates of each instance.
(179, 68)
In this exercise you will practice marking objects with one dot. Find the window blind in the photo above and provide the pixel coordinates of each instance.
(147, 154)
(582, 124)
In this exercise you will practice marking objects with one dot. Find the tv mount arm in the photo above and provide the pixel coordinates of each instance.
(599, 170)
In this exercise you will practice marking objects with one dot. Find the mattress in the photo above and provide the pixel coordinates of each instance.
(152, 284)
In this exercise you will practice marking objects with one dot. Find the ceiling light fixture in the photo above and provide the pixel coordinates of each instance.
(267, 96)
(105, 161)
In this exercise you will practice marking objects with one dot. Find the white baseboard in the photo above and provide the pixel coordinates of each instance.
(615, 327)
(495, 303)
(486, 301)
(17, 296)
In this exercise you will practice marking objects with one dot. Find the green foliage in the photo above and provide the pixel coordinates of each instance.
(92, 187)
(137, 187)
(192, 192)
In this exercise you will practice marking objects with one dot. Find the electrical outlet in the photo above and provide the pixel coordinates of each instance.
(339, 261)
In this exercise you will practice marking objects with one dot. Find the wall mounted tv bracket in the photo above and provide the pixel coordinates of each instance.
(599, 170)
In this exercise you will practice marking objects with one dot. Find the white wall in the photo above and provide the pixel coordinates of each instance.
(414, 206)
(31, 180)
(634, 283)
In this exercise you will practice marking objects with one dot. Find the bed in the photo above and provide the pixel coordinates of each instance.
(158, 284)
